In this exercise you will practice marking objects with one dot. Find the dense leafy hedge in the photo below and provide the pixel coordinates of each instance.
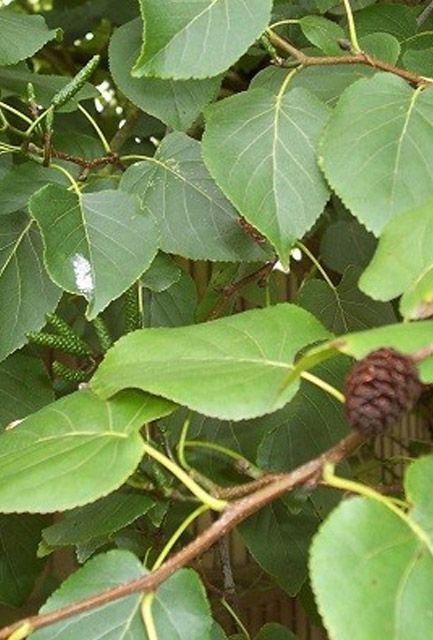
(260, 138)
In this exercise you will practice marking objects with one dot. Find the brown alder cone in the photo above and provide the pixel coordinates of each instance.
(379, 390)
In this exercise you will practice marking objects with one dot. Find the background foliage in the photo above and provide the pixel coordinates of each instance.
(163, 167)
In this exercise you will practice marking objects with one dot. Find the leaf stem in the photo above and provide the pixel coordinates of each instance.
(97, 129)
(146, 612)
(212, 503)
(136, 157)
(213, 446)
(74, 183)
(318, 382)
(22, 632)
(337, 482)
(282, 22)
(236, 618)
(35, 123)
(352, 29)
(286, 81)
(316, 263)
(182, 440)
(7, 107)
(177, 534)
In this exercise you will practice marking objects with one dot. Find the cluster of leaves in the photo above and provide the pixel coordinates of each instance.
(206, 146)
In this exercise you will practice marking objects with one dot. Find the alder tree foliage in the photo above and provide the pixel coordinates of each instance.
(209, 211)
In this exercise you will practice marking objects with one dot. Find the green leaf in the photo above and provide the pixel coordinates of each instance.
(355, 245)
(216, 632)
(396, 19)
(344, 308)
(176, 102)
(380, 130)
(22, 181)
(289, 524)
(396, 266)
(162, 274)
(195, 219)
(242, 437)
(322, 33)
(311, 423)
(274, 631)
(404, 337)
(22, 36)
(79, 436)
(419, 60)
(327, 82)
(180, 609)
(96, 244)
(101, 518)
(213, 367)
(24, 387)
(173, 307)
(77, 18)
(417, 484)
(14, 81)
(383, 561)
(382, 46)
(5, 164)
(261, 150)
(19, 566)
(417, 301)
(26, 291)
(201, 40)
(119, 619)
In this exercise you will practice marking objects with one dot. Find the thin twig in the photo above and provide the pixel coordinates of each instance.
(125, 132)
(425, 14)
(235, 287)
(359, 58)
(309, 474)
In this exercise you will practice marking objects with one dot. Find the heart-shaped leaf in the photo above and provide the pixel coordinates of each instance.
(180, 609)
(396, 268)
(384, 561)
(261, 150)
(176, 102)
(182, 43)
(26, 291)
(344, 307)
(101, 518)
(380, 129)
(231, 368)
(79, 436)
(19, 565)
(22, 35)
(96, 244)
(195, 219)
(24, 387)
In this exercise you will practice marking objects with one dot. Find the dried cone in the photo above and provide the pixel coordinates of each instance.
(379, 390)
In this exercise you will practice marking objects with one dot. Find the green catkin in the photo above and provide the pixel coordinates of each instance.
(66, 373)
(104, 337)
(63, 329)
(72, 88)
(61, 343)
(31, 96)
(131, 310)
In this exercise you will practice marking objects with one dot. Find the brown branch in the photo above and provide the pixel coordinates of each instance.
(82, 162)
(309, 474)
(235, 287)
(358, 58)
